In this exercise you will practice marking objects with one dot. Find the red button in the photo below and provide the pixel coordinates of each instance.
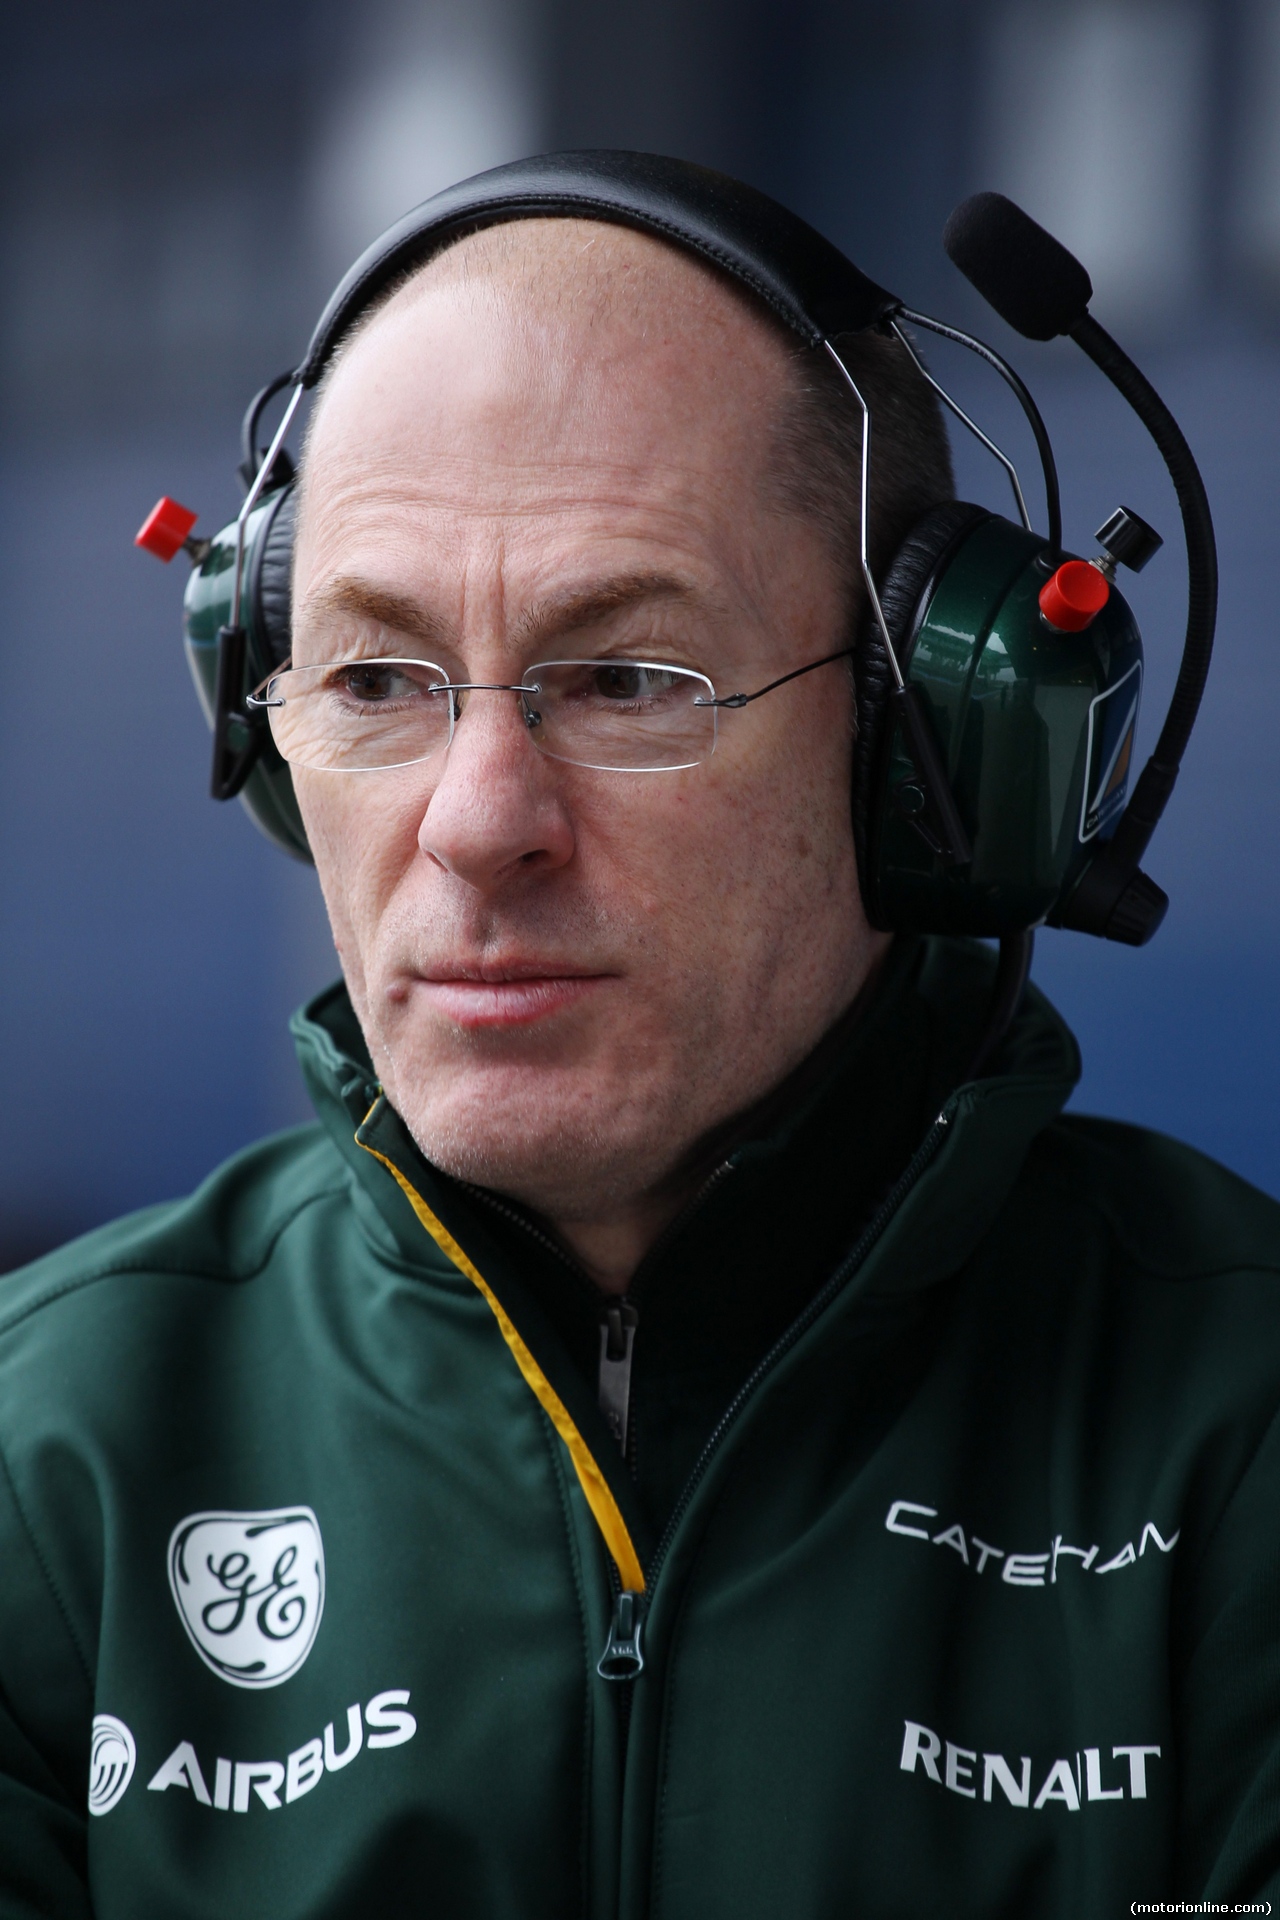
(1074, 597)
(165, 528)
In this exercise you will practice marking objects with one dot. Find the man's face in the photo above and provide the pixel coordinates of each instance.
(566, 976)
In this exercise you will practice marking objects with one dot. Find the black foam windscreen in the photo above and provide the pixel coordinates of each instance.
(1019, 269)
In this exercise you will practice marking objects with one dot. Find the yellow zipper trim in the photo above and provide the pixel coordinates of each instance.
(594, 1485)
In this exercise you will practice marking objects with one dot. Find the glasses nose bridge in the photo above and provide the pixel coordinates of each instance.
(459, 690)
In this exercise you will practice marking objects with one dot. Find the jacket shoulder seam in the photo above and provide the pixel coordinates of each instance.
(118, 1269)
(1228, 1503)
(1213, 1266)
(47, 1573)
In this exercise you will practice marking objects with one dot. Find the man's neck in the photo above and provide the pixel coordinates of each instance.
(611, 1249)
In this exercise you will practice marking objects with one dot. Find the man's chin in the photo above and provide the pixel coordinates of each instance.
(558, 1157)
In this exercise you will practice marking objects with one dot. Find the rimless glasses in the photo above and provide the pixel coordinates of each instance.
(619, 716)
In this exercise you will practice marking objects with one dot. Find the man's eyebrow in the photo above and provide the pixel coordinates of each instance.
(563, 612)
(349, 594)
(585, 606)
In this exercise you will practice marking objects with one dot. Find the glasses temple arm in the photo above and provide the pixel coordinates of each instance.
(745, 699)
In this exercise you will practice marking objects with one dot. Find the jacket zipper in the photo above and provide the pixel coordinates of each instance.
(618, 1326)
(618, 1322)
(620, 1318)
(623, 1656)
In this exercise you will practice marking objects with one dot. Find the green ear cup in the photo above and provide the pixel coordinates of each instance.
(1036, 729)
(268, 795)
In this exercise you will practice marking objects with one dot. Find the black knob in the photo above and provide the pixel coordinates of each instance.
(1128, 540)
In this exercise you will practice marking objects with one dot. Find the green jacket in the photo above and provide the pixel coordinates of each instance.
(313, 1535)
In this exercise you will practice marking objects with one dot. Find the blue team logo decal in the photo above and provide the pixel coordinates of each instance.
(250, 1590)
(1113, 727)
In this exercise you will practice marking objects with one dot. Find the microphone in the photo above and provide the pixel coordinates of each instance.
(1019, 269)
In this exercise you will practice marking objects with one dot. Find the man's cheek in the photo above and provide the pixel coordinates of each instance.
(351, 859)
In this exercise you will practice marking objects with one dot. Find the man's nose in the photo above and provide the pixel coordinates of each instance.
(497, 806)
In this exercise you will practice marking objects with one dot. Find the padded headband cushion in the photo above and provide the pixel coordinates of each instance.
(807, 282)
(270, 586)
(904, 597)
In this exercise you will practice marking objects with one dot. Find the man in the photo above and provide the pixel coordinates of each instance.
(667, 1443)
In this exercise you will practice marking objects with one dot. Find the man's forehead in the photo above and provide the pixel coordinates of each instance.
(576, 306)
(582, 271)
(542, 341)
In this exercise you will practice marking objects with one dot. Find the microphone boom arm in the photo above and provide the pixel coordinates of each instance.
(1113, 874)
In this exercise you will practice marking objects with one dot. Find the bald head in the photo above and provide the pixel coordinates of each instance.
(575, 282)
(580, 306)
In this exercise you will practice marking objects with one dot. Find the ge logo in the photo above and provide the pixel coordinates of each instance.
(112, 1758)
(250, 1590)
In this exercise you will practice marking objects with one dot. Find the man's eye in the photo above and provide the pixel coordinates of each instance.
(367, 683)
(617, 682)
(622, 681)
(374, 685)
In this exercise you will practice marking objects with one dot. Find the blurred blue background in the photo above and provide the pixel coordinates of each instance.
(179, 192)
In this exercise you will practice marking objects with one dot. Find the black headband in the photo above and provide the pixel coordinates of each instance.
(806, 281)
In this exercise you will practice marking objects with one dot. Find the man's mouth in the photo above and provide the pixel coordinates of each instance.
(513, 995)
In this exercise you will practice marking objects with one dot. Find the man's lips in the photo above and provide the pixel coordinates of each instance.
(505, 996)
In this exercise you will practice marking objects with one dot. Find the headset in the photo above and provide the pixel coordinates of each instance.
(997, 678)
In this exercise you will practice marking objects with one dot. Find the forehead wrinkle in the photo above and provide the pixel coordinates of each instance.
(349, 594)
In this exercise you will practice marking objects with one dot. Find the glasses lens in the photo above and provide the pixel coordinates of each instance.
(623, 716)
(358, 715)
